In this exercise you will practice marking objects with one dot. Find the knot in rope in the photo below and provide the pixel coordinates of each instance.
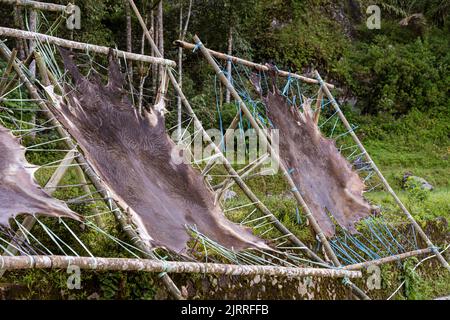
(197, 46)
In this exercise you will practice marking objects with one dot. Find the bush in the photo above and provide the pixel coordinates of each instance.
(391, 77)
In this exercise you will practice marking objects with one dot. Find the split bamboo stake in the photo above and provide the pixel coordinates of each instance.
(250, 64)
(124, 264)
(275, 156)
(3, 80)
(44, 6)
(216, 149)
(85, 187)
(380, 175)
(15, 33)
(121, 218)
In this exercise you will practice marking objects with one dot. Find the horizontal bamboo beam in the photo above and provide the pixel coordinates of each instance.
(124, 264)
(15, 33)
(43, 6)
(398, 257)
(257, 66)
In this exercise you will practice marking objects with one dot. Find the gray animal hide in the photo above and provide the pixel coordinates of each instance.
(132, 154)
(322, 175)
(19, 192)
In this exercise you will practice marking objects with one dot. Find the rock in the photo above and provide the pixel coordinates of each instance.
(94, 296)
(287, 195)
(229, 194)
(409, 178)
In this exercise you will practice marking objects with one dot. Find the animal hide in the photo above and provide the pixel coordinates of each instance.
(322, 175)
(19, 192)
(132, 154)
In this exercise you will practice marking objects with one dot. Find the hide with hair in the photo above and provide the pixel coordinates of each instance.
(134, 157)
(19, 192)
(324, 178)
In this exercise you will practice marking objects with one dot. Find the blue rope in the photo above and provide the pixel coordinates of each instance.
(197, 46)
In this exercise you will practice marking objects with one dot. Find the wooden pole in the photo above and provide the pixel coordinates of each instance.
(250, 64)
(3, 80)
(228, 167)
(15, 33)
(43, 6)
(398, 257)
(274, 155)
(124, 264)
(380, 175)
(121, 218)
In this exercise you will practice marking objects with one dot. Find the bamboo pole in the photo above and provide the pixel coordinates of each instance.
(3, 80)
(85, 187)
(276, 157)
(250, 64)
(15, 33)
(43, 6)
(380, 175)
(398, 257)
(318, 106)
(291, 237)
(124, 264)
(121, 218)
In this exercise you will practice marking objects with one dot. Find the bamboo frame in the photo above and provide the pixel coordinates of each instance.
(358, 292)
(124, 264)
(250, 64)
(224, 160)
(379, 174)
(44, 6)
(121, 218)
(284, 170)
(16, 33)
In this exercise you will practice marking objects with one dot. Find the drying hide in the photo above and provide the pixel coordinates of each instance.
(132, 154)
(19, 192)
(324, 178)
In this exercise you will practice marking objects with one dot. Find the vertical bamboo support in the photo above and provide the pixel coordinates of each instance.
(3, 80)
(96, 181)
(380, 175)
(274, 155)
(216, 149)
(85, 187)
(318, 106)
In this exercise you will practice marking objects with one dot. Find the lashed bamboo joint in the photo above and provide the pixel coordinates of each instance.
(256, 66)
(15, 33)
(124, 264)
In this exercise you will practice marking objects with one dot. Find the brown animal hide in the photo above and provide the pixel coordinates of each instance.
(322, 175)
(19, 192)
(132, 154)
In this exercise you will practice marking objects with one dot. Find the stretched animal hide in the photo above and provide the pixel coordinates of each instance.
(323, 176)
(131, 153)
(19, 193)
